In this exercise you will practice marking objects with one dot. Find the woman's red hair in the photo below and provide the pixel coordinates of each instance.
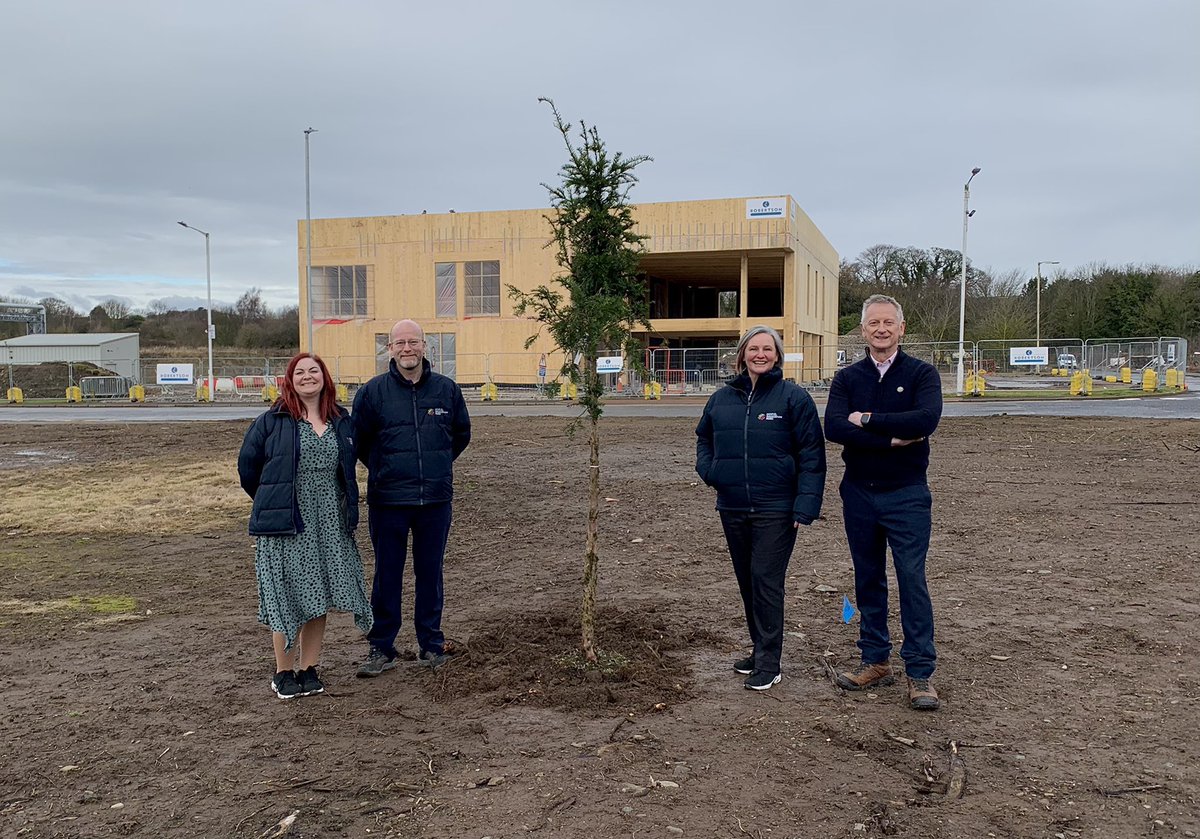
(290, 401)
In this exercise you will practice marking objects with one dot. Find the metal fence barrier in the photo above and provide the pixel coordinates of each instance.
(105, 387)
(675, 371)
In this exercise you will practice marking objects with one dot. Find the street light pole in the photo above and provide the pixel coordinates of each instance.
(308, 243)
(1038, 327)
(962, 292)
(212, 385)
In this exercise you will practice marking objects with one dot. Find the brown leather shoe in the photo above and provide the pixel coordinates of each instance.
(866, 676)
(922, 696)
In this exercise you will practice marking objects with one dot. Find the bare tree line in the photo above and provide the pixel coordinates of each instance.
(1095, 301)
(248, 324)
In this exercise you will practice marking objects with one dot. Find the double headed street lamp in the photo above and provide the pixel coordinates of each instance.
(212, 385)
(1038, 327)
(962, 292)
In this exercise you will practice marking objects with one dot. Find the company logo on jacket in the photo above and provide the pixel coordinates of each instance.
(437, 412)
(770, 415)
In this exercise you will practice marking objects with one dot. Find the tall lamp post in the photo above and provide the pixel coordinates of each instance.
(962, 291)
(308, 244)
(1038, 327)
(212, 385)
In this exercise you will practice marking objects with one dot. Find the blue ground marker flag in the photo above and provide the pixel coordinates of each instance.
(848, 609)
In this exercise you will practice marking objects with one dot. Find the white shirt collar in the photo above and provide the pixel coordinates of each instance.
(886, 364)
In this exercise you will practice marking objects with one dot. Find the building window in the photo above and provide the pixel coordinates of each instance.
(727, 304)
(439, 349)
(446, 286)
(341, 292)
(481, 286)
(382, 356)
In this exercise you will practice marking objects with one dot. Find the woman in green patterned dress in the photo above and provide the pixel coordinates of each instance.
(298, 464)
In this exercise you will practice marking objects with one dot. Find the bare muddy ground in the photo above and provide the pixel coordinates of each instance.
(134, 678)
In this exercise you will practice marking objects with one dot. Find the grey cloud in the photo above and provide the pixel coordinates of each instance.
(1082, 115)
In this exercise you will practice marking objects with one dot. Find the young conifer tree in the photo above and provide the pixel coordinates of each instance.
(601, 301)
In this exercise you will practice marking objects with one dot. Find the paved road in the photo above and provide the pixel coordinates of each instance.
(1183, 406)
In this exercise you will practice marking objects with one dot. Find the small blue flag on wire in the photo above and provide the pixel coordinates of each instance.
(848, 609)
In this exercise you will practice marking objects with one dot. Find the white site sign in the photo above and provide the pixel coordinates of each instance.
(174, 374)
(1028, 355)
(610, 364)
(791, 357)
(766, 207)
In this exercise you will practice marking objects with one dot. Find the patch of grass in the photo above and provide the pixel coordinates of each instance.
(117, 498)
(118, 604)
(105, 604)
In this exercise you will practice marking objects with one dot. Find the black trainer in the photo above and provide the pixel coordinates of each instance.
(376, 663)
(285, 685)
(745, 666)
(762, 680)
(310, 682)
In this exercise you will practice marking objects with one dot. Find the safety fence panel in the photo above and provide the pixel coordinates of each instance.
(995, 356)
(524, 369)
(105, 387)
(1110, 355)
(689, 370)
(49, 378)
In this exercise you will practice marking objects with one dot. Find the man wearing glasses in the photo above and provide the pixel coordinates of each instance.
(410, 424)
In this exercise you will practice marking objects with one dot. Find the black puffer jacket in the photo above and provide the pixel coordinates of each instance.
(409, 435)
(267, 467)
(763, 450)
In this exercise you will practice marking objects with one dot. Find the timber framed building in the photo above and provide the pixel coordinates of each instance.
(713, 268)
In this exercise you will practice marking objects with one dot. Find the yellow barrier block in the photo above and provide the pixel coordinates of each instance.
(1149, 381)
(1112, 380)
(15, 395)
(74, 394)
(1172, 378)
(568, 391)
(1081, 384)
(342, 394)
(270, 393)
(1127, 375)
(137, 393)
(652, 390)
(202, 394)
(488, 392)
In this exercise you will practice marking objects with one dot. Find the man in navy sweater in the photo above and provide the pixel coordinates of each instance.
(882, 410)
(410, 425)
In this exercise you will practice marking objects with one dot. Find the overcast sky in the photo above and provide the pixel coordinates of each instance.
(118, 119)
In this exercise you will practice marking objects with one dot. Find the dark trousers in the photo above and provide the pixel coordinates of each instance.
(760, 545)
(900, 518)
(390, 528)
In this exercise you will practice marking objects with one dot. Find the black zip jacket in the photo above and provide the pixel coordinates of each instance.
(267, 465)
(906, 404)
(409, 436)
(763, 449)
